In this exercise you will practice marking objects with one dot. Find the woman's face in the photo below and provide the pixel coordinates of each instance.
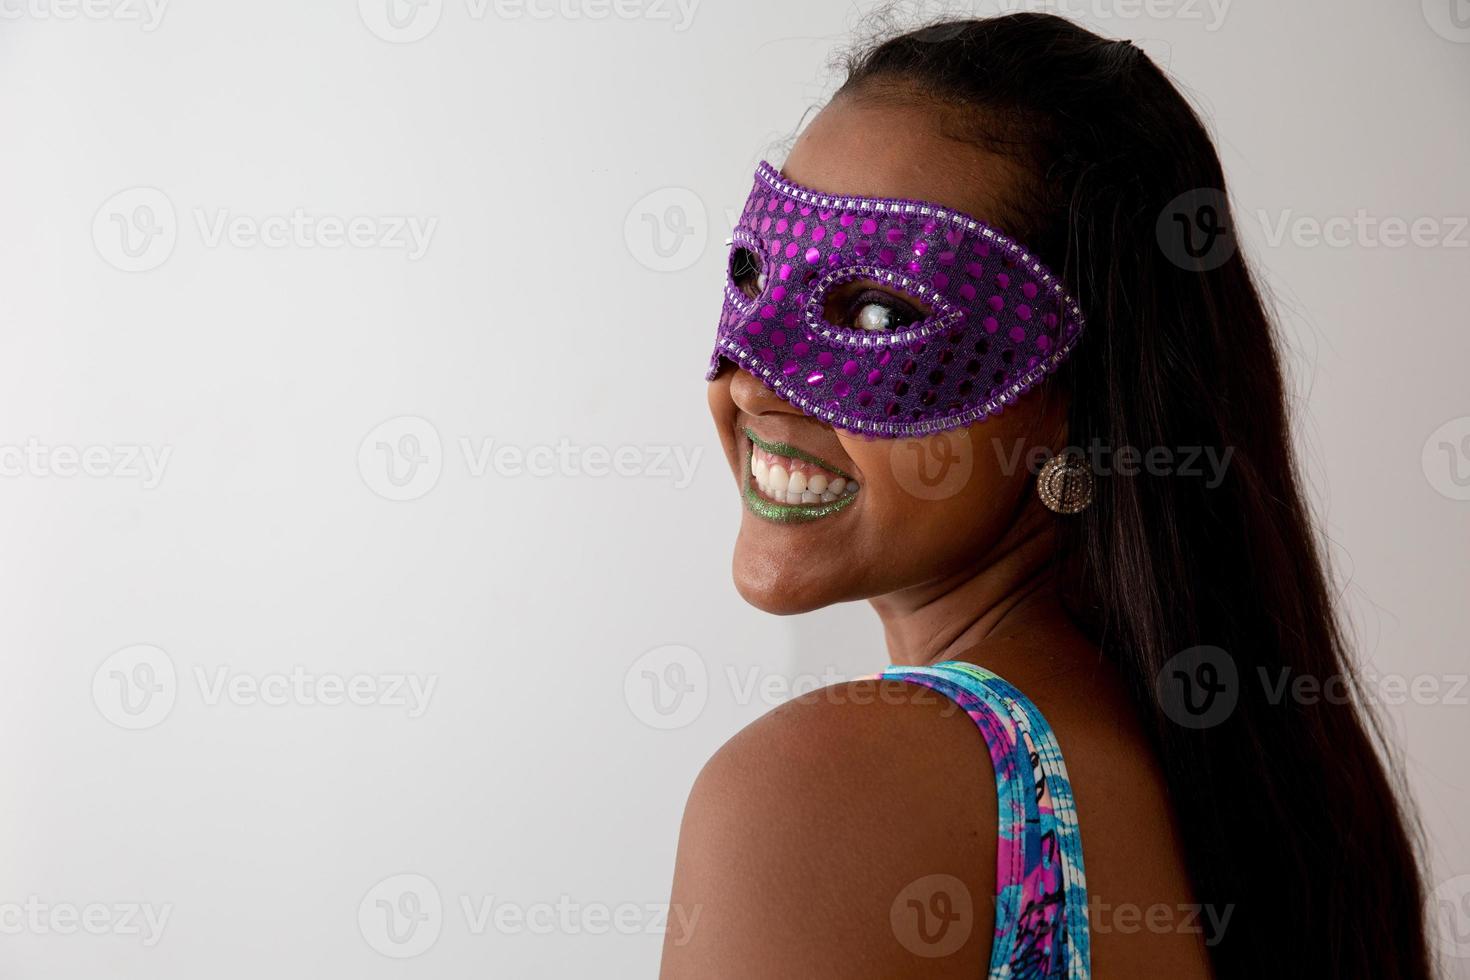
(924, 509)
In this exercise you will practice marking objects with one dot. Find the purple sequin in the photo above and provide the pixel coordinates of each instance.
(1008, 316)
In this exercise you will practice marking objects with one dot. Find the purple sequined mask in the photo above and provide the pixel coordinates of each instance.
(996, 321)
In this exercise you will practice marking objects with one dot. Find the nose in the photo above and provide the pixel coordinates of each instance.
(752, 396)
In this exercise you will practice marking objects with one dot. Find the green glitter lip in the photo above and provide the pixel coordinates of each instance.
(791, 513)
(786, 449)
(788, 513)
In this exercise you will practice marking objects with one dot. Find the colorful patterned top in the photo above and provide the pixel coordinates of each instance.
(1041, 892)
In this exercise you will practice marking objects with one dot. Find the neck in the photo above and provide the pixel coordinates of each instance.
(998, 594)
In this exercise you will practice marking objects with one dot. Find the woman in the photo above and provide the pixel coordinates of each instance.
(984, 333)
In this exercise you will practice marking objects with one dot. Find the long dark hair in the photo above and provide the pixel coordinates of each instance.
(1286, 805)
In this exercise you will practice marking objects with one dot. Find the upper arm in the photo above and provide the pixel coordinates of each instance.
(850, 833)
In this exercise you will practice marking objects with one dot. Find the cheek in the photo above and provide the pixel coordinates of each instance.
(722, 411)
(943, 495)
(717, 394)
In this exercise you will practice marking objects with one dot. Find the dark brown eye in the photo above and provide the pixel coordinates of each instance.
(747, 272)
(864, 306)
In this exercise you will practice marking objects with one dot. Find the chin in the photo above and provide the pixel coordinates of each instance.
(783, 584)
(775, 602)
(777, 586)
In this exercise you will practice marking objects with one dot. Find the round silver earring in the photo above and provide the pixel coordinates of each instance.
(1065, 484)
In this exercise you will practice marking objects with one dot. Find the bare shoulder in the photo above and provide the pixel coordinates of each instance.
(850, 833)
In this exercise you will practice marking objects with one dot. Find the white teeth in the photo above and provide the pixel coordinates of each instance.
(792, 482)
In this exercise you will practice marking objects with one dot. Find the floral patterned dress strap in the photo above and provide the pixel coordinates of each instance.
(1041, 891)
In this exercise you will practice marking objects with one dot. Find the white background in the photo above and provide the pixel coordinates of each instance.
(543, 311)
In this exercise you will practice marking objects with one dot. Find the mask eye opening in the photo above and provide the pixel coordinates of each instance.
(871, 307)
(747, 271)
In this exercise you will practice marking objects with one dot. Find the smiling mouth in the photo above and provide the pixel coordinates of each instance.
(786, 484)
